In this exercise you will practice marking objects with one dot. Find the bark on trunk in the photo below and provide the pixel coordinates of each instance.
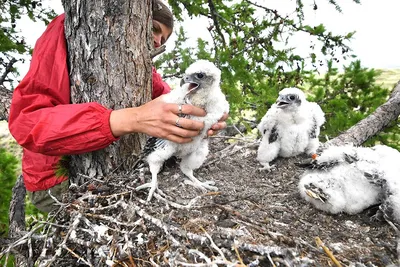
(5, 101)
(17, 219)
(109, 44)
(374, 123)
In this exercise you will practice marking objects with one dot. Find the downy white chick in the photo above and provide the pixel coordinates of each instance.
(350, 179)
(200, 86)
(290, 127)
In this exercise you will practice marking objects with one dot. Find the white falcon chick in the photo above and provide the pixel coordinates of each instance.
(290, 127)
(350, 179)
(200, 86)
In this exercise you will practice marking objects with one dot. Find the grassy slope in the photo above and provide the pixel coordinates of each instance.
(389, 78)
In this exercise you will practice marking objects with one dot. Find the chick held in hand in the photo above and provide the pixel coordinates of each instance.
(200, 87)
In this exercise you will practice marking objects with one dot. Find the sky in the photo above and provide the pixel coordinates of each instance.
(376, 42)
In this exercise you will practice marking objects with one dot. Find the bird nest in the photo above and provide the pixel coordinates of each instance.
(255, 219)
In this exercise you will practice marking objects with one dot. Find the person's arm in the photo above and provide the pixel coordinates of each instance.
(158, 118)
(41, 117)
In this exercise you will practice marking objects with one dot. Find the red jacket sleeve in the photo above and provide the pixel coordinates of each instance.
(42, 119)
(159, 86)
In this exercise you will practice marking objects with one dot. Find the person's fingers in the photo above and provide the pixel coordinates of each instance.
(186, 109)
(188, 124)
(177, 134)
(185, 133)
(219, 126)
(224, 117)
(211, 132)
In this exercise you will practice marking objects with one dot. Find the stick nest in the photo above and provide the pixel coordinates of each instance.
(255, 219)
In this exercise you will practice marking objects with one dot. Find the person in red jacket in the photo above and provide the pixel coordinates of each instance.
(47, 126)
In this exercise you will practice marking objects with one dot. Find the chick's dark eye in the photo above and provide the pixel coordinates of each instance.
(200, 75)
(292, 97)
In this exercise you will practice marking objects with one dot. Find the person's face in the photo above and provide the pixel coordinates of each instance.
(161, 33)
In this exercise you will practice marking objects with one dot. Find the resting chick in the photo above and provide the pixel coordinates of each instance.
(200, 86)
(290, 127)
(350, 179)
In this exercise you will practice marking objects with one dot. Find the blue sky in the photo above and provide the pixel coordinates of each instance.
(375, 22)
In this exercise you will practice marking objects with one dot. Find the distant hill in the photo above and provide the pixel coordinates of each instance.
(389, 77)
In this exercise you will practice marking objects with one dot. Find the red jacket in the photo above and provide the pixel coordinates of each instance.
(43, 121)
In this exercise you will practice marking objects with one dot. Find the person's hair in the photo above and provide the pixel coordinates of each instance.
(163, 14)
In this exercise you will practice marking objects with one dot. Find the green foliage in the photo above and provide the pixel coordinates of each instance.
(12, 43)
(8, 167)
(254, 47)
(348, 97)
(62, 168)
(253, 50)
(10, 262)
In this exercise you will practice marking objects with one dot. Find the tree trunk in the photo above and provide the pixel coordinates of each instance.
(17, 218)
(109, 44)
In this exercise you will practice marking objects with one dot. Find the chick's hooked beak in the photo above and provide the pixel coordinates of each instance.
(285, 100)
(192, 84)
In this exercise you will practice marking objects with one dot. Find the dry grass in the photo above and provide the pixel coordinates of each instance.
(389, 77)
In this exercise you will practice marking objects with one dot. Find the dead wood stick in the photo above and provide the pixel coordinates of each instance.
(77, 256)
(221, 154)
(157, 51)
(327, 251)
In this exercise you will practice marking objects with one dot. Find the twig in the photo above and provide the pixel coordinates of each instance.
(174, 204)
(20, 241)
(110, 219)
(234, 149)
(327, 251)
(244, 139)
(156, 222)
(77, 256)
(6, 260)
(63, 243)
(271, 261)
(213, 244)
(236, 128)
(157, 51)
(238, 255)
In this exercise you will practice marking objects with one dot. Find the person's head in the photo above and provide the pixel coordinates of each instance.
(163, 22)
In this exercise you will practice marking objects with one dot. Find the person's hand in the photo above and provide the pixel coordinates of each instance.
(159, 119)
(220, 125)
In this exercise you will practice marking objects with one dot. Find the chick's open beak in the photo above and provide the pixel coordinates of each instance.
(192, 85)
(281, 102)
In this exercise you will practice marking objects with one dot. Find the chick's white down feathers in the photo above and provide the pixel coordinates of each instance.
(200, 87)
(290, 127)
(350, 179)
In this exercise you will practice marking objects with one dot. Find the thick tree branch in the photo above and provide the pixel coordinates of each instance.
(5, 101)
(374, 123)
